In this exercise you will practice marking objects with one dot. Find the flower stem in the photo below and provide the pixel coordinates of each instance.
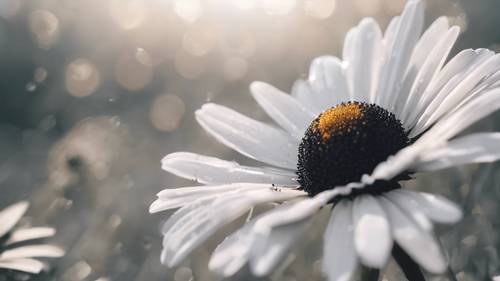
(409, 267)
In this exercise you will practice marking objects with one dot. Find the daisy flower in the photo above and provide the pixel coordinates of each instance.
(345, 137)
(15, 252)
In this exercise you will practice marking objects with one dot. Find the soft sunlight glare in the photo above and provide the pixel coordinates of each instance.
(134, 72)
(235, 68)
(244, 5)
(189, 66)
(367, 7)
(40, 74)
(278, 7)
(188, 10)
(199, 39)
(45, 26)
(166, 112)
(320, 9)
(82, 78)
(128, 14)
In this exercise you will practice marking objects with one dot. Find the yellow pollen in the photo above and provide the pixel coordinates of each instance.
(338, 119)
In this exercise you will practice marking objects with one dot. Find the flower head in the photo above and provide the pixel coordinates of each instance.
(346, 136)
(15, 251)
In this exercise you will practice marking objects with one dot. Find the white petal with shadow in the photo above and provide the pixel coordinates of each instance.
(250, 137)
(455, 91)
(325, 87)
(436, 207)
(412, 209)
(339, 255)
(234, 252)
(473, 148)
(372, 232)
(422, 49)
(303, 92)
(263, 249)
(172, 198)
(327, 80)
(462, 118)
(395, 164)
(427, 72)
(282, 108)
(271, 246)
(211, 170)
(427, 42)
(194, 223)
(362, 58)
(398, 52)
(300, 210)
(419, 244)
(444, 82)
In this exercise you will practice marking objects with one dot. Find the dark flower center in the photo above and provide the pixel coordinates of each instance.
(345, 142)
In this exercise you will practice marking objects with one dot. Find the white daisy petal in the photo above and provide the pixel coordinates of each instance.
(435, 207)
(474, 148)
(422, 49)
(390, 31)
(398, 53)
(362, 59)
(412, 209)
(190, 230)
(325, 87)
(26, 265)
(194, 223)
(172, 198)
(372, 232)
(251, 138)
(459, 66)
(264, 249)
(427, 42)
(339, 257)
(234, 252)
(459, 120)
(348, 48)
(282, 108)
(395, 164)
(299, 211)
(48, 251)
(211, 170)
(488, 83)
(465, 87)
(270, 247)
(456, 91)
(32, 233)
(446, 80)
(419, 244)
(202, 196)
(493, 81)
(327, 82)
(432, 64)
(301, 90)
(11, 215)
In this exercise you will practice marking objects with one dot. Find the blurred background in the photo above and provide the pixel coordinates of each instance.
(94, 93)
